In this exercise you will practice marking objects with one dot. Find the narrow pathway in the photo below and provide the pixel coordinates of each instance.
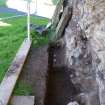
(35, 72)
(10, 10)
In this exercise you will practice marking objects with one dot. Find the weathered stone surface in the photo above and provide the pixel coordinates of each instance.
(66, 16)
(85, 50)
(73, 103)
(84, 39)
(93, 23)
(22, 100)
(55, 18)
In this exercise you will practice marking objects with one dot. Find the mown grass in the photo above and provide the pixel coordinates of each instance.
(2, 15)
(11, 38)
(22, 88)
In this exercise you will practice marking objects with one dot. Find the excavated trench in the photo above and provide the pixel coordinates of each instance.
(50, 81)
(60, 90)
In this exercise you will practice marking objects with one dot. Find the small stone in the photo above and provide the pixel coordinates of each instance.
(71, 76)
(23, 100)
(73, 103)
(77, 73)
(55, 60)
(98, 61)
(54, 55)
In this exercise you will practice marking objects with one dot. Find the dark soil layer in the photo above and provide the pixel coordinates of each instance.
(60, 90)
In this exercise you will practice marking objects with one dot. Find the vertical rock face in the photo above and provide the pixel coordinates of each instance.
(85, 50)
(94, 26)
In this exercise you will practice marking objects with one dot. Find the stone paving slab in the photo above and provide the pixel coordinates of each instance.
(22, 100)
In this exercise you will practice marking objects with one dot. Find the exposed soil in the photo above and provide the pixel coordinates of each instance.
(35, 71)
(50, 81)
(60, 90)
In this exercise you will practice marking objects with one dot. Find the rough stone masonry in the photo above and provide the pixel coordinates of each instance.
(84, 39)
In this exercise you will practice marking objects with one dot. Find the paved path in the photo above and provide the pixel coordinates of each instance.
(35, 71)
(9, 10)
(14, 12)
(43, 8)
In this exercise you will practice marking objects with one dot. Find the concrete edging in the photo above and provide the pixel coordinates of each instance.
(8, 83)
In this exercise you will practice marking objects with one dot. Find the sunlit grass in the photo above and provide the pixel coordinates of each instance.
(12, 37)
(3, 24)
(22, 88)
(3, 15)
(12, 33)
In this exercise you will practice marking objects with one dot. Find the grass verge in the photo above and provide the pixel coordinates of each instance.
(22, 89)
(2, 15)
(11, 38)
(2, 3)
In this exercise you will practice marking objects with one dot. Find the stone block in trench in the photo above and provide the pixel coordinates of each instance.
(22, 100)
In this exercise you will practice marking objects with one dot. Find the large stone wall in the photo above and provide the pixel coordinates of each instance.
(85, 50)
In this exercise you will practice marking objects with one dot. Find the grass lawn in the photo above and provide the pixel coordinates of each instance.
(2, 3)
(11, 38)
(55, 2)
(2, 15)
